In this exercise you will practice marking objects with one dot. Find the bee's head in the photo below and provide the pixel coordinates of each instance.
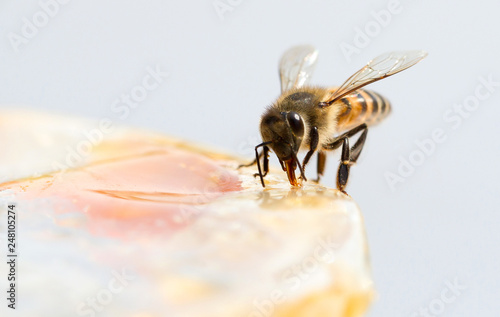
(285, 130)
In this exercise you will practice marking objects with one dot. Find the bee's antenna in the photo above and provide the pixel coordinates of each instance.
(258, 161)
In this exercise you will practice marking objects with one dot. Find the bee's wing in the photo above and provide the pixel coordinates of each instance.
(378, 68)
(297, 66)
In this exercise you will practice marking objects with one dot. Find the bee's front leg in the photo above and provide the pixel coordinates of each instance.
(313, 145)
(265, 154)
(250, 164)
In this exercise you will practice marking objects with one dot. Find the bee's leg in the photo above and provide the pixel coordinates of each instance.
(265, 153)
(321, 165)
(301, 169)
(252, 163)
(349, 155)
(358, 147)
(314, 136)
(345, 165)
(338, 141)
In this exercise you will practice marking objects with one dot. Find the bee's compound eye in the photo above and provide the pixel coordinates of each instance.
(296, 123)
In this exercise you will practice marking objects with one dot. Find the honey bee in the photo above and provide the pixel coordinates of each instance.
(308, 118)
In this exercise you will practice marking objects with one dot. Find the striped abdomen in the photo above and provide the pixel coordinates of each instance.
(361, 106)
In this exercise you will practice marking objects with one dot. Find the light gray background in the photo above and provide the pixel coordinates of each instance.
(438, 226)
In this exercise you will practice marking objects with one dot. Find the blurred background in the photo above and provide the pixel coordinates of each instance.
(205, 70)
